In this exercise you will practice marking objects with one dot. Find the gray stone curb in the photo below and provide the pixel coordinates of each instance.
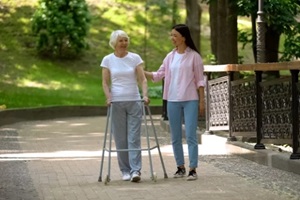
(11, 116)
(270, 157)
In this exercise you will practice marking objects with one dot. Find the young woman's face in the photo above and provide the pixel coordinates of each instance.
(122, 43)
(176, 38)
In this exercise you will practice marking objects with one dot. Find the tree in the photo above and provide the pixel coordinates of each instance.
(61, 27)
(194, 11)
(213, 22)
(280, 18)
(223, 23)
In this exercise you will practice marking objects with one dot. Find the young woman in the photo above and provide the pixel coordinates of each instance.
(182, 70)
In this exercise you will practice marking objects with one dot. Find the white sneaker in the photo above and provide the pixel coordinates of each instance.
(126, 177)
(136, 177)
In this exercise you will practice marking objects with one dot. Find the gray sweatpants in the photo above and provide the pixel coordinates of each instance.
(126, 127)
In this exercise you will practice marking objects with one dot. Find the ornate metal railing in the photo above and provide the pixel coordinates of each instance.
(276, 111)
(219, 104)
(267, 110)
(243, 107)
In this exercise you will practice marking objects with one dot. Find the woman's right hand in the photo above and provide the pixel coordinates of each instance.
(146, 100)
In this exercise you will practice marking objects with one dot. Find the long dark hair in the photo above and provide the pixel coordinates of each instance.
(185, 32)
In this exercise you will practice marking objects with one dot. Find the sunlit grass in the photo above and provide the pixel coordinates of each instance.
(52, 85)
(244, 23)
(29, 81)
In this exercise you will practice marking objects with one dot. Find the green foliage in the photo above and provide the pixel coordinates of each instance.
(241, 60)
(212, 59)
(61, 27)
(281, 16)
(278, 13)
(175, 12)
(246, 7)
(291, 45)
(244, 37)
(27, 80)
(155, 92)
(167, 8)
(162, 4)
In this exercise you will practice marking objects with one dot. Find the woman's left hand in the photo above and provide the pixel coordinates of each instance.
(201, 109)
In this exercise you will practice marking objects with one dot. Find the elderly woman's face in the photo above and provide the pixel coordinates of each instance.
(122, 43)
(176, 38)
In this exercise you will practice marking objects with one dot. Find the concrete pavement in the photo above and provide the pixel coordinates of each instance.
(59, 159)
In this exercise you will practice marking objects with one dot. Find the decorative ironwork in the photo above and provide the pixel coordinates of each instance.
(243, 105)
(219, 104)
(266, 109)
(276, 109)
(260, 34)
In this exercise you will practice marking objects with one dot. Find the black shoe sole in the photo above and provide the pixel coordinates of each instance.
(136, 179)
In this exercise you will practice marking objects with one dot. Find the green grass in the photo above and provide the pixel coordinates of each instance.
(29, 81)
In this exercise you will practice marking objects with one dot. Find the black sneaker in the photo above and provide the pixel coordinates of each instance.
(179, 173)
(192, 175)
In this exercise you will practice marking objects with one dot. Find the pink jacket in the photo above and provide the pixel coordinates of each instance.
(191, 71)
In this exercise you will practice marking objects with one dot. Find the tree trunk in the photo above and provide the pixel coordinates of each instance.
(222, 36)
(213, 21)
(227, 33)
(232, 33)
(254, 36)
(226, 27)
(194, 11)
(174, 12)
(272, 46)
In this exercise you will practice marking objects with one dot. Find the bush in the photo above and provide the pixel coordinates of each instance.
(155, 92)
(61, 27)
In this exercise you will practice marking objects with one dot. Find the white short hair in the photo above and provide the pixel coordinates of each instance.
(114, 37)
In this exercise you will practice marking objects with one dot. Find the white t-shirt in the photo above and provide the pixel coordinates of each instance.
(175, 77)
(124, 85)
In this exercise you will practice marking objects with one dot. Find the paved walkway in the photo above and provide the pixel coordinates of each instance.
(60, 159)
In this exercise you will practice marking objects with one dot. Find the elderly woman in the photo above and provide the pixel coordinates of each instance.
(122, 73)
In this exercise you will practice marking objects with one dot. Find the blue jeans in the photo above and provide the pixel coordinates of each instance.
(189, 109)
(126, 127)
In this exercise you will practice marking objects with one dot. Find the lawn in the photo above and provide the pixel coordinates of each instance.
(26, 80)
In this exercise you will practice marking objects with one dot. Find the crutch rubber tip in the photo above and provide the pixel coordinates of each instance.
(107, 179)
(154, 177)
